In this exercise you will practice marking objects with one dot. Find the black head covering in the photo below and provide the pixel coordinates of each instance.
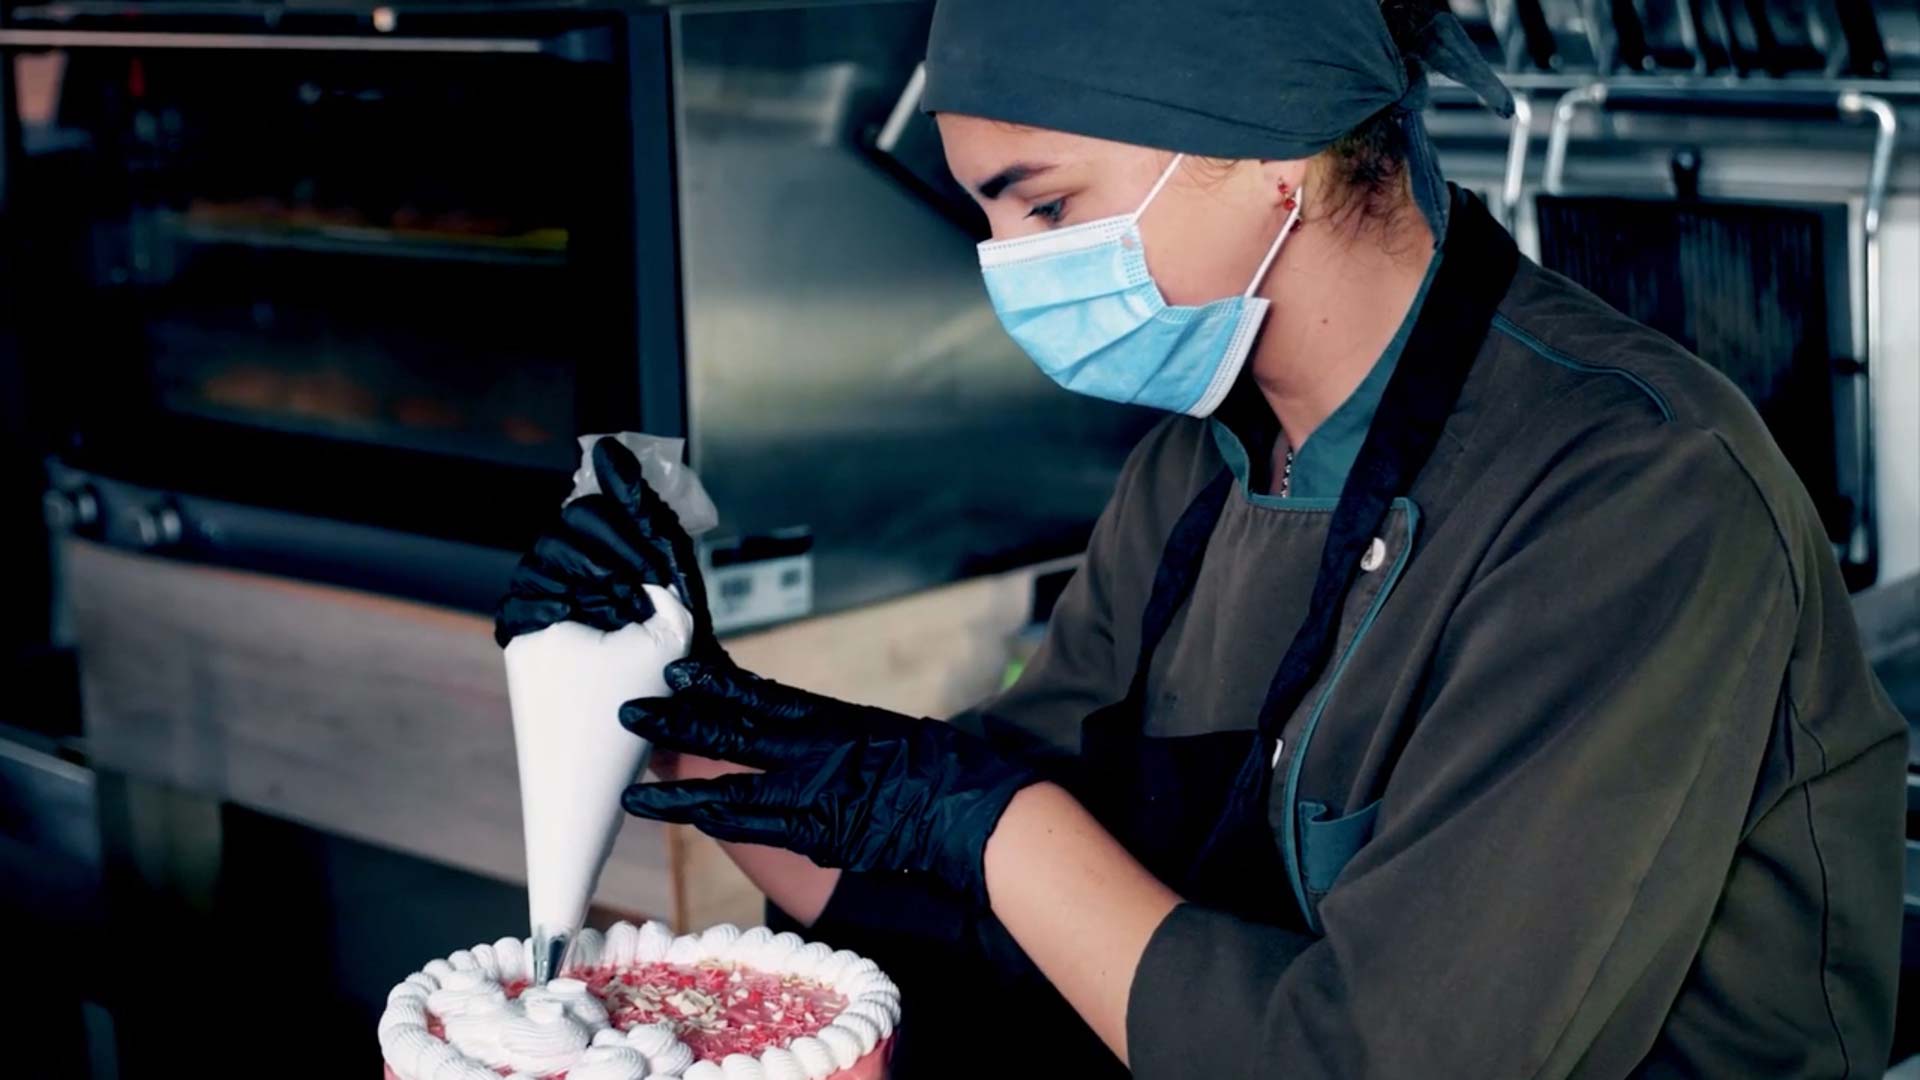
(1236, 79)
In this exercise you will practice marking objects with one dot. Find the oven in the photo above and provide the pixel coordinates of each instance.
(331, 292)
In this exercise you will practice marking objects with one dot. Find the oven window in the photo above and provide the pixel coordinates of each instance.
(401, 250)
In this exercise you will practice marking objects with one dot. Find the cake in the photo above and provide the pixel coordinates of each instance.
(639, 1002)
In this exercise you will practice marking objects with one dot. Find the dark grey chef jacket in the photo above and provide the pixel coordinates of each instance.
(1598, 782)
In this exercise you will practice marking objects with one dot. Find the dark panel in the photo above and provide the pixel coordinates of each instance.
(1756, 290)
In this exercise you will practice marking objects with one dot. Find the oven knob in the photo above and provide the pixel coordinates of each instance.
(157, 526)
(73, 510)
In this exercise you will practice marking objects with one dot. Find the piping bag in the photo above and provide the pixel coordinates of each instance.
(566, 684)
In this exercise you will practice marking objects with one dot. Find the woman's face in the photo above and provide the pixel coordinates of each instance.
(1205, 235)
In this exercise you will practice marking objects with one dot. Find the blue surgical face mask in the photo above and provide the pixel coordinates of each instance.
(1081, 303)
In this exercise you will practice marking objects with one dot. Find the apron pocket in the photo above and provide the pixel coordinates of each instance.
(1328, 844)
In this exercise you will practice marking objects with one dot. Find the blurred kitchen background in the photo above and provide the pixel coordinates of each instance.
(303, 304)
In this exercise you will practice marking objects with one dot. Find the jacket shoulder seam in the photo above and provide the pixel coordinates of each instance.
(1547, 352)
(1773, 517)
(1826, 893)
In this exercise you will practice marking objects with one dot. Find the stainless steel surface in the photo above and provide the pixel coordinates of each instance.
(844, 370)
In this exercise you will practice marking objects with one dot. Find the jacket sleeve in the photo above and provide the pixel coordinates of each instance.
(1075, 672)
(1551, 846)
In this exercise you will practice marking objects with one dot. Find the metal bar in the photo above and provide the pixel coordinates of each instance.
(1887, 135)
(1854, 103)
(1605, 94)
(1564, 110)
(903, 110)
(1517, 140)
(138, 39)
(1894, 90)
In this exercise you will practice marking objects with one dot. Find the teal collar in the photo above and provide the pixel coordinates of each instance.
(1320, 467)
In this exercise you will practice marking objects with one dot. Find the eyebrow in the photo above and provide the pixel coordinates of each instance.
(1009, 176)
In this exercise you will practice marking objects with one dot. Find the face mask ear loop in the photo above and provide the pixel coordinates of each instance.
(1299, 203)
(1157, 185)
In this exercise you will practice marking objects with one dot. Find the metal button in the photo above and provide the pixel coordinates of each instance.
(1376, 556)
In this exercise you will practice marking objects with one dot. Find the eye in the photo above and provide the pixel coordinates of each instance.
(1051, 213)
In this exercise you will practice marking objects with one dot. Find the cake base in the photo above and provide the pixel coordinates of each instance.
(871, 1067)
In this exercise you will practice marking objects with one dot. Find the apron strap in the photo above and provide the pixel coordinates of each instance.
(1179, 568)
(1478, 263)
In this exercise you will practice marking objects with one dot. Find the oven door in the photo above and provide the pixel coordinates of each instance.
(369, 273)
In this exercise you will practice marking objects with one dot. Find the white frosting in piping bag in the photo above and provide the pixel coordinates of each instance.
(566, 684)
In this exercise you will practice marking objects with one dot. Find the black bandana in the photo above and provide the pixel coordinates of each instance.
(1235, 79)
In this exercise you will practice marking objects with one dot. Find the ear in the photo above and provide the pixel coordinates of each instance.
(1282, 179)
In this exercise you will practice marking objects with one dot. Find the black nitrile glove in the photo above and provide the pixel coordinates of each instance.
(589, 566)
(848, 786)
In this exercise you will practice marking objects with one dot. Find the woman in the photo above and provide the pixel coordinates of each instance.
(1460, 684)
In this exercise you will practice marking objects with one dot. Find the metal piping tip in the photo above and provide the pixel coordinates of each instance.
(550, 955)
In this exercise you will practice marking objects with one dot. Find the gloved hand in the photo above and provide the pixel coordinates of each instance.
(589, 566)
(848, 786)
